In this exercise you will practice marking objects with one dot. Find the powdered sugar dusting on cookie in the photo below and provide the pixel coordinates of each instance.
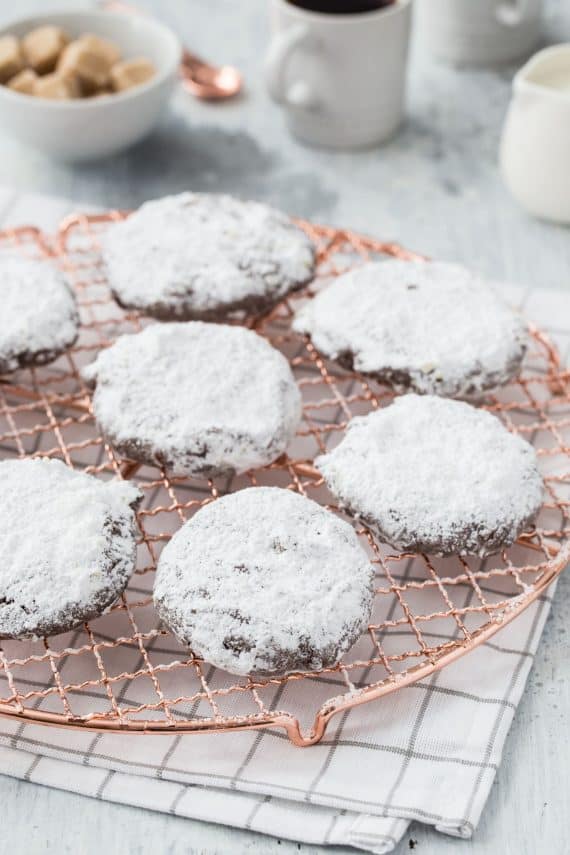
(265, 581)
(67, 545)
(198, 398)
(431, 327)
(199, 254)
(38, 320)
(436, 475)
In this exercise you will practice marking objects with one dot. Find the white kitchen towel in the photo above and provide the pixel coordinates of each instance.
(427, 752)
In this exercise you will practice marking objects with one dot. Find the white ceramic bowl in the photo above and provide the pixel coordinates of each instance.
(85, 129)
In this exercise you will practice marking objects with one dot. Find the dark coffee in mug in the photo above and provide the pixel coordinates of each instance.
(341, 7)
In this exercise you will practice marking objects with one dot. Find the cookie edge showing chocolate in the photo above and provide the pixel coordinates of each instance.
(469, 545)
(308, 659)
(402, 382)
(253, 307)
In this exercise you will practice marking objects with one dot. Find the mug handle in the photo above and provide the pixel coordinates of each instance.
(514, 12)
(281, 51)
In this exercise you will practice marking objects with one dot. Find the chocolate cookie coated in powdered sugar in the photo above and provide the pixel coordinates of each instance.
(428, 327)
(67, 546)
(38, 315)
(439, 476)
(196, 398)
(265, 581)
(201, 256)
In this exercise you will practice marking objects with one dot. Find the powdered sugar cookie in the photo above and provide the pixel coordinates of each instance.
(431, 328)
(38, 320)
(438, 476)
(67, 546)
(201, 256)
(265, 581)
(196, 398)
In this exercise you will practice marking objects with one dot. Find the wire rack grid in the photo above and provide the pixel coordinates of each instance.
(126, 672)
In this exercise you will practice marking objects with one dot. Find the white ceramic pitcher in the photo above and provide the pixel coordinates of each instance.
(535, 145)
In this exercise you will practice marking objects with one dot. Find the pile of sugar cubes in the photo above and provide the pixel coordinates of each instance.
(47, 63)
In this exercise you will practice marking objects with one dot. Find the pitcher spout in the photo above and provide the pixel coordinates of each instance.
(546, 73)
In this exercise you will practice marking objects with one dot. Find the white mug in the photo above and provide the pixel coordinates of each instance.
(479, 32)
(535, 145)
(341, 78)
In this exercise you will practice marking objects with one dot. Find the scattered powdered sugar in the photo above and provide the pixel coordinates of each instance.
(196, 254)
(197, 398)
(436, 475)
(39, 317)
(265, 581)
(431, 327)
(67, 545)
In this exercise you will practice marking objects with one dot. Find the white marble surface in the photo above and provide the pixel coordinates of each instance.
(436, 188)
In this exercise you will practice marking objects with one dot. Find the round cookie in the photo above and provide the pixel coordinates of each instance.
(265, 581)
(433, 475)
(39, 319)
(428, 327)
(202, 256)
(196, 398)
(67, 546)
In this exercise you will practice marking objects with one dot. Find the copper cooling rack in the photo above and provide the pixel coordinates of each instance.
(123, 671)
